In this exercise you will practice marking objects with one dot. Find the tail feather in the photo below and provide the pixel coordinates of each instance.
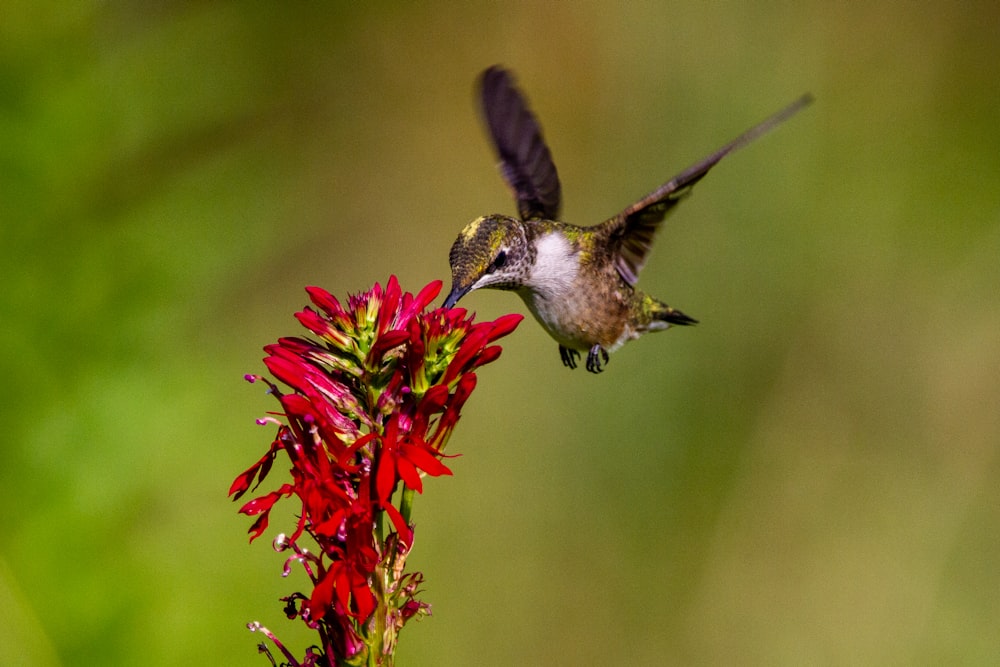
(665, 313)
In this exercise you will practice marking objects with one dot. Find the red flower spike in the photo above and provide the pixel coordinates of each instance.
(374, 392)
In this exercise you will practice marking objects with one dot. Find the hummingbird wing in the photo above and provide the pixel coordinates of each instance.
(525, 161)
(631, 231)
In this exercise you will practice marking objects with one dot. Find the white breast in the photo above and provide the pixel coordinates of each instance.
(551, 288)
(556, 265)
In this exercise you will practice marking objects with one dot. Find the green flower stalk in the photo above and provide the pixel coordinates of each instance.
(372, 401)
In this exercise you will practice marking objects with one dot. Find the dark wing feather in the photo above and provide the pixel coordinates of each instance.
(633, 229)
(525, 161)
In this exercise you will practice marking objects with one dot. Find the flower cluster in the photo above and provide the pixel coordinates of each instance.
(374, 398)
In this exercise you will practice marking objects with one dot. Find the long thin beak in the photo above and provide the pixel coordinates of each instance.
(456, 294)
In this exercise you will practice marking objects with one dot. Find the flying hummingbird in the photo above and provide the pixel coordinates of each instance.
(578, 282)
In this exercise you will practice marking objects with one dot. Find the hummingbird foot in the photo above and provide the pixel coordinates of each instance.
(594, 357)
(568, 357)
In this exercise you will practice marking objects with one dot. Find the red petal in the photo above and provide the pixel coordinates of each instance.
(386, 342)
(258, 527)
(289, 371)
(390, 304)
(259, 470)
(489, 355)
(325, 300)
(331, 526)
(428, 294)
(313, 321)
(264, 503)
(434, 400)
(322, 595)
(409, 475)
(504, 325)
(470, 347)
(405, 534)
(385, 476)
(425, 460)
(344, 459)
(364, 599)
(462, 392)
(242, 482)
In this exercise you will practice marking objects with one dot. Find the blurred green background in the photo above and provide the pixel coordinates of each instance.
(807, 477)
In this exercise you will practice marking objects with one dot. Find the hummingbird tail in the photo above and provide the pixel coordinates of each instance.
(664, 313)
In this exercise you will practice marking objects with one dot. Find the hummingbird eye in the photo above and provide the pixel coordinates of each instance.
(497, 262)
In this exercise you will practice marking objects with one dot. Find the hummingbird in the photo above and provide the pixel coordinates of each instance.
(578, 282)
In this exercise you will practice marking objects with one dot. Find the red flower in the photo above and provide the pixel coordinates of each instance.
(372, 402)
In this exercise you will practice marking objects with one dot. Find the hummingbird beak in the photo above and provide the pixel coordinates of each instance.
(457, 292)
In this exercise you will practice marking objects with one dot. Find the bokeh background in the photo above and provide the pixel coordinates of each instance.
(807, 477)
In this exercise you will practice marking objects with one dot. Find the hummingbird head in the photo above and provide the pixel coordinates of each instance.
(492, 251)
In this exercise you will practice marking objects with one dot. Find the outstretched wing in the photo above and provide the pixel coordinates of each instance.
(525, 161)
(631, 231)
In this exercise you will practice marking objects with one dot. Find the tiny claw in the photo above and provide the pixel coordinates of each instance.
(568, 357)
(594, 357)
